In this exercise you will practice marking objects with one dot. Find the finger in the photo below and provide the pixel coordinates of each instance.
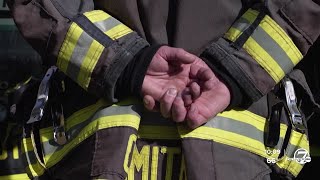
(205, 74)
(194, 118)
(187, 97)
(179, 111)
(195, 90)
(194, 69)
(166, 102)
(207, 78)
(211, 84)
(177, 55)
(149, 103)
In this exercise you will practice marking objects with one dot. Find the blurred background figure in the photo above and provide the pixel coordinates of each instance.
(20, 67)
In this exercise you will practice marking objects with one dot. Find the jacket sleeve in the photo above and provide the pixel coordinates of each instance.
(265, 43)
(89, 46)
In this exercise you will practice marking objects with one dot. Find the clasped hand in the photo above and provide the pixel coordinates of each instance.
(182, 87)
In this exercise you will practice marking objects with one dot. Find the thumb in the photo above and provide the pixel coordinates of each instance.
(177, 55)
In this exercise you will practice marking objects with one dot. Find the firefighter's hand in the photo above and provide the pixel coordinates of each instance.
(189, 93)
(167, 76)
(214, 98)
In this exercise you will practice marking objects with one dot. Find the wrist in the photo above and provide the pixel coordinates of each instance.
(131, 79)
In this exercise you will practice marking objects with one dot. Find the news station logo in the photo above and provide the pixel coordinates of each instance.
(301, 156)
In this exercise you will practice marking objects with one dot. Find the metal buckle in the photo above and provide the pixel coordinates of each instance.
(59, 133)
(42, 97)
(291, 99)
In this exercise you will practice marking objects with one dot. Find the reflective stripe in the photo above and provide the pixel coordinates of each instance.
(90, 60)
(68, 46)
(107, 24)
(157, 132)
(240, 129)
(23, 176)
(269, 45)
(112, 116)
(78, 55)
(73, 131)
(34, 168)
(111, 26)
(247, 132)
(80, 52)
(301, 141)
(97, 15)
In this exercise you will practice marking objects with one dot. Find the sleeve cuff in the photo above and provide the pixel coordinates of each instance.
(237, 96)
(131, 79)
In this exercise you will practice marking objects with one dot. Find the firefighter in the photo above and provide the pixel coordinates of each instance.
(236, 109)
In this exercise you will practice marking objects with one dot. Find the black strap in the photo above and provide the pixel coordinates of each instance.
(238, 44)
(93, 30)
(275, 107)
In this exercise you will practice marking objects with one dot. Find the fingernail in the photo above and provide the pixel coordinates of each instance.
(145, 101)
(172, 92)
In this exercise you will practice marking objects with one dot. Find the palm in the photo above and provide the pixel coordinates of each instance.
(162, 75)
(209, 104)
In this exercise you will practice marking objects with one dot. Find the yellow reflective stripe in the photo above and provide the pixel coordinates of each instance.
(68, 46)
(259, 54)
(228, 138)
(118, 31)
(23, 176)
(231, 135)
(279, 36)
(300, 140)
(98, 124)
(250, 15)
(233, 34)
(269, 45)
(33, 168)
(157, 132)
(264, 59)
(291, 165)
(81, 52)
(255, 120)
(26, 145)
(88, 64)
(96, 16)
(75, 119)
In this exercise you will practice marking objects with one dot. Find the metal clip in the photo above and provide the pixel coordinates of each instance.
(42, 97)
(59, 133)
(291, 99)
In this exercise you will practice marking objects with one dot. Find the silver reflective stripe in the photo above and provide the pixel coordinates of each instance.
(240, 128)
(107, 24)
(78, 54)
